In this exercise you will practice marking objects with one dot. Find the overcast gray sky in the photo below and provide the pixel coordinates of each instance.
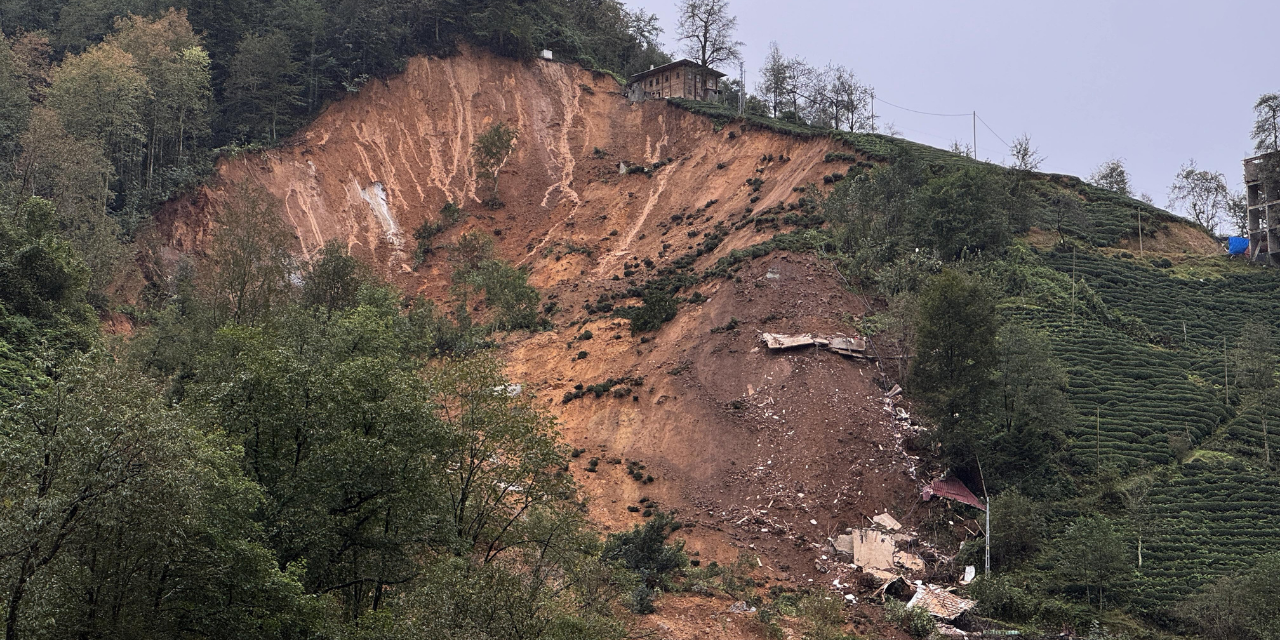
(1154, 83)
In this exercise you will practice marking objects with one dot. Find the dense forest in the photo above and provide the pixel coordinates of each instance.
(295, 449)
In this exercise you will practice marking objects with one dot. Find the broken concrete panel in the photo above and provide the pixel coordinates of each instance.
(783, 341)
(853, 345)
(870, 549)
(909, 561)
(885, 520)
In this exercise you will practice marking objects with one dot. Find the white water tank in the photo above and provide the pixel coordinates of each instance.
(546, 54)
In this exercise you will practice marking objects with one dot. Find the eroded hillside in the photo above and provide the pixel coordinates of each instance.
(765, 452)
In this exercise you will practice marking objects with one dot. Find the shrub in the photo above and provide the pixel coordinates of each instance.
(490, 151)
(659, 307)
(999, 597)
(506, 291)
(728, 326)
(644, 552)
(914, 621)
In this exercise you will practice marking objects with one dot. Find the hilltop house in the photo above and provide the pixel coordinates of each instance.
(679, 79)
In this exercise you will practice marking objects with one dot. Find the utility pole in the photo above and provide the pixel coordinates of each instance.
(975, 135)
(873, 111)
(742, 88)
(1226, 382)
(1073, 285)
(1266, 443)
(1097, 438)
(986, 545)
(1141, 254)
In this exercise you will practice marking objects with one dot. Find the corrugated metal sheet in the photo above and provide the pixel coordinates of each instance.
(952, 489)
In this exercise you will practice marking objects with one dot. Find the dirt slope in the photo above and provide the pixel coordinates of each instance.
(771, 452)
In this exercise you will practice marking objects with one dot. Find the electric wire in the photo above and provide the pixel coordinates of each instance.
(924, 113)
(944, 115)
(993, 131)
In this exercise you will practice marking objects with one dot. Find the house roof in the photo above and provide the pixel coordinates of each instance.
(939, 602)
(673, 65)
(953, 489)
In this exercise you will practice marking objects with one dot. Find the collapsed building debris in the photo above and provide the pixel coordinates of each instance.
(885, 520)
(939, 601)
(843, 345)
(876, 550)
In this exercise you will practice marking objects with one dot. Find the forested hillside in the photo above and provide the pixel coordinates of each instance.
(412, 334)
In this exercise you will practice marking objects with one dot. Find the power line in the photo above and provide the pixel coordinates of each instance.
(973, 115)
(924, 113)
(993, 131)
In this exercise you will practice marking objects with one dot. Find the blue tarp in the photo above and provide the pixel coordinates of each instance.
(1237, 245)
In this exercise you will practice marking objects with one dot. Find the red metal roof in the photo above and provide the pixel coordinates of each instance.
(951, 488)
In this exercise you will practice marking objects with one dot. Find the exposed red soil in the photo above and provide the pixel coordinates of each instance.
(772, 453)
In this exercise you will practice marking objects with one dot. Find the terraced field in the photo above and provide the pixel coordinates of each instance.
(1211, 519)
(1180, 312)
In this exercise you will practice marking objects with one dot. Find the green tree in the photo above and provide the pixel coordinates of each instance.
(871, 213)
(1017, 529)
(1066, 212)
(247, 271)
(337, 428)
(127, 522)
(15, 108)
(168, 53)
(956, 357)
(1202, 194)
(507, 292)
(1112, 176)
(74, 174)
(657, 308)
(332, 279)
(644, 552)
(706, 27)
(963, 212)
(1254, 358)
(1092, 555)
(472, 249)
(499, 458)
(1029, 410)
(1022, 156)
(489, 152)
(1266, 124)
(262, 86)
(101, 96)
(1242, 606)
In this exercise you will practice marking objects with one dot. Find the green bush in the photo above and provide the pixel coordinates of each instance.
(659, 308)
(644, 552)
(1001, 598)
(914, 621)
